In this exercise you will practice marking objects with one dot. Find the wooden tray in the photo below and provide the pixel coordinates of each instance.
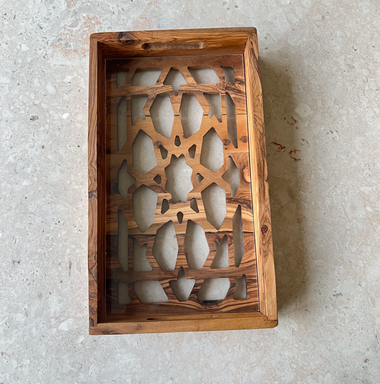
(116, 303)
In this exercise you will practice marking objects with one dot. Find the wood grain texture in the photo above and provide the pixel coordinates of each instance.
(184, 323)
(129, 51)
(216, 41)
(96, 184)
(260, 187)
(247, 268)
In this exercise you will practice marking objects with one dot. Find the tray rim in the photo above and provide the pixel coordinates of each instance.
(217, 41)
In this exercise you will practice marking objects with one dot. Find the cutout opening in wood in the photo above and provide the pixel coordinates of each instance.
(173, 45)
(214, 102)
(229, 75)
(150, 292)
(178, 175)
(192, 151)
(144, 207)
(164, 152)
(212, 151)
(190, 113)
(157, 179)
(175, 79)
(177, 141)
(165, 247)
(196, 245)
(194, 205)
(214, 289)
(180, 217)
(231, 120)
(143, 156)
(204, 75)
(164, 206)
(122, 293)
(221, 259)
(238, 236)
(121, 123)
(144, 77)
(137, 108)
(232, 176)
(199, 177)
(124, 180)
(140, 261)
(241, 289)
(121, 79)
(162, 115)
(182, 287)
(214, 201)
(122, 241)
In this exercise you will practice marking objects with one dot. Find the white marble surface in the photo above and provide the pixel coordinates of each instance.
(320, 67)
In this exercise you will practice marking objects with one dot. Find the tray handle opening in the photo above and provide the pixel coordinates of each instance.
(173, 45)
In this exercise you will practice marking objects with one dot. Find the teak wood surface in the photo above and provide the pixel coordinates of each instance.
(181, 49)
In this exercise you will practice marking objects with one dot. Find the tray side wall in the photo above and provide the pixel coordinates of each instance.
(182, 42)
(196, 323)
(260, 187)
(96, 184)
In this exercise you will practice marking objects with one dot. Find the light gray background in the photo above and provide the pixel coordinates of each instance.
(320, 70)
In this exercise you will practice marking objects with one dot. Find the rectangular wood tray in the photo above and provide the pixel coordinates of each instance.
(115, 303)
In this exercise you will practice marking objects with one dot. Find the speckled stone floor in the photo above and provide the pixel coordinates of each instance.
(320, 70)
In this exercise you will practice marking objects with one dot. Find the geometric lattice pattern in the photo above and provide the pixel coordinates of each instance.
(181, 138)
